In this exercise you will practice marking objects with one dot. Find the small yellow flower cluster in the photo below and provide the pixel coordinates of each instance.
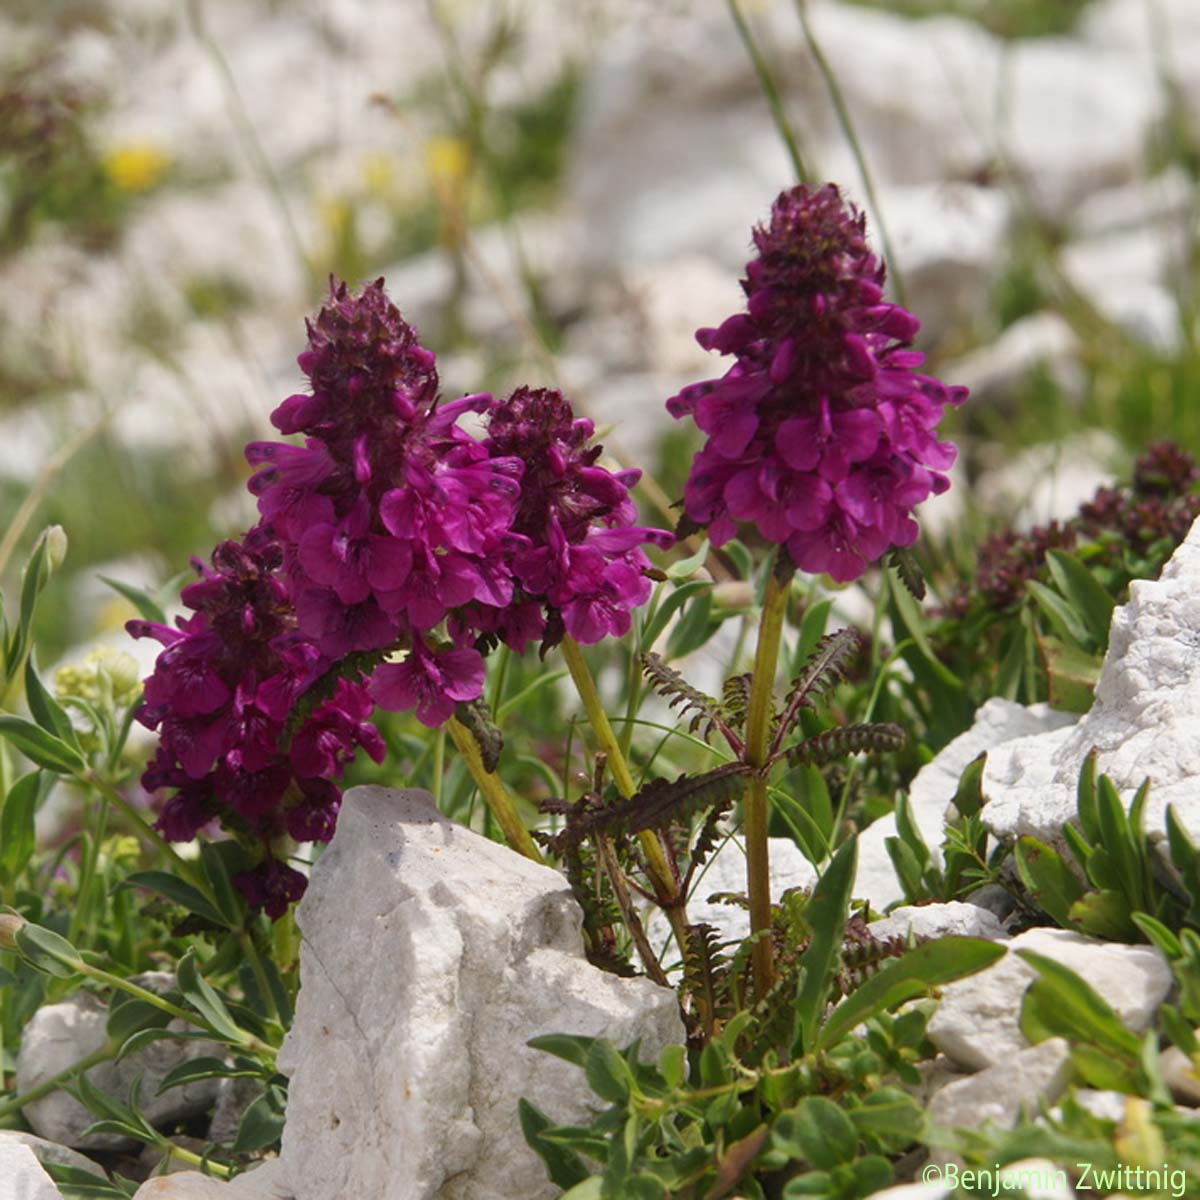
(137, 167)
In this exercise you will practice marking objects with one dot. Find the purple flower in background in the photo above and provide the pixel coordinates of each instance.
(822, 433)
(576, 549)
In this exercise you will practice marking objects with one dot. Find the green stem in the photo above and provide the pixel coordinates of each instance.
(758, 726)
(843, 115)
(766, 81)
(88, 874)
(103, 1053)
(219, 1170)
(439, 765)
(183, 868)
(494, 793)
(666, 889)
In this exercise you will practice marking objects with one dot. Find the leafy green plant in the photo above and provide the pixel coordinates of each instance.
(753, 1107)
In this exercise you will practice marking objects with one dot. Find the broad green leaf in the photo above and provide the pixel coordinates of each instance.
(41, 747)
(18, 835)
(128, 1015)
(565, 1167)
(1089, 600)
(673, 1065)
(818, 1131)
(1118, 839)
(694, 628)
(34, 579)
(1061, 1003)
(571, 1047)
(872, 1174)
(589, 1189)
(176, 890)
(907, 868)
(1053, 886)
(928, 966)
(913, 621)
(1063, 619)
(261, 1125)
(203, 997)
(221, 861)
(811, 631)
(1100, 1068)
(608, 1074)
(969, 797)
(684, 567)
(46, 951)
(826, 912)
(888, 1113)
(1158, 934)
(1104, 914)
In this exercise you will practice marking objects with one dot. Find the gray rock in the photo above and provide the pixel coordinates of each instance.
(1142, 722)
(940, 920)
(22, 1174)
(261, 1183)
(59, 1035)
(978, 1021)
(49, 1153)
(430, 957)
(999, 1094)
(933, 789)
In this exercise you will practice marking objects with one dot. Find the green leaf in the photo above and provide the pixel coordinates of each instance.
(18, 835)
(907, 868)
(826, 912)
(969, 797)
(35, 578)
(203, 997)
(176, 890)
(1158, 934)
(1085, 797)
(1099, 1068)
(148, 608)
(928, 966)
(1052, 885)
(128, 1015)
(608, 1074)
(1117, 838)
(683, 567)
(564, 1166)
(818, 1132)
(571, 1047)
(1087, 597)
(1060, 1003)
(673, 1065)
(810, 632)
(46, 951)
(694, 629)
(1063, 619)
(46, 710)
(41, 747)
(662, 616)
(262, 1123)
(191, 1070)
(1104, 914)
(589, 1189)
(888, 1113)
(221, 861)
(913, 621)
(1071, 674)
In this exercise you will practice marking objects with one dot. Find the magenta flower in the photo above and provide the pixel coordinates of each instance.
(821, 433)
(392, 518)
(431, 683)
(575, 548)
(221, 697)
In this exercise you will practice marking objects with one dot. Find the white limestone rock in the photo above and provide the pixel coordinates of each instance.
(952, 919)
(1142, 723)
(430, 957)
(1043, 341)
(22, 1176)
(61, 1034)
(977, 1024)
(933, 789)
(261, 1183)
(1000, 1093)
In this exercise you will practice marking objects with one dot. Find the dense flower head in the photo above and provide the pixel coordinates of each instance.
(822, 432)
(391, 516)
(223, 695)
(576, 550)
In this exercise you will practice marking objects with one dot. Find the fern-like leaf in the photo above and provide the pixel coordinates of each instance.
(667, 682)
(909, 572)
(876, 737)
(662, 801)
(824, 668)
(735, 699)
(705, 977)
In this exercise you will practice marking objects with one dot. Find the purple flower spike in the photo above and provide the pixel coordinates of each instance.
(822, 432)
(576, 549)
